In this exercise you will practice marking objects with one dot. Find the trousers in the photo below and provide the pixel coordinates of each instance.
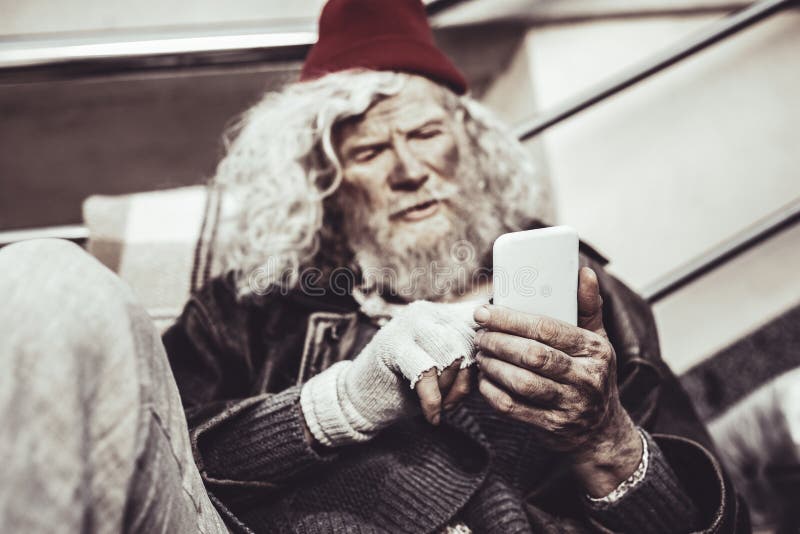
(93, 437)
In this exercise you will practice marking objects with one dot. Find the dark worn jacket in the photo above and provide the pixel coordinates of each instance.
(239, 366)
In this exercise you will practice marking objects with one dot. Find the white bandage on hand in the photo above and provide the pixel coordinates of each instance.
(352, 400)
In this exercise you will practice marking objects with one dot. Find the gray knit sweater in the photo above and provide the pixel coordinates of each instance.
(409, 477)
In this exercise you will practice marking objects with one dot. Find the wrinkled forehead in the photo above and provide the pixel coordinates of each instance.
(418, 102)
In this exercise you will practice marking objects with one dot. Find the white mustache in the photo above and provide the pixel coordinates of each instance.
(439, 194)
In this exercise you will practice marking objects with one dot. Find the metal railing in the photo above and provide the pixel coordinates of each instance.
(292, 45)
(44, 61)
(741, 242)
(717, 32)
(77, 233)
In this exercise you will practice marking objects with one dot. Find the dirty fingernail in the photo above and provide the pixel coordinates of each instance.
(478, 336)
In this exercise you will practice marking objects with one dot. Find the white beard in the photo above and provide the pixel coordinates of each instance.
(403, 269)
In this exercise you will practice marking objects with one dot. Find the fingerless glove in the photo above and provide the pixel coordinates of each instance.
(352, 400)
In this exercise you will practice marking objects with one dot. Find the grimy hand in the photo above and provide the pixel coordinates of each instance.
(442, 392)
(561, 379)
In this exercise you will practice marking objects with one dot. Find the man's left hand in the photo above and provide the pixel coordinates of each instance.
(561, 379)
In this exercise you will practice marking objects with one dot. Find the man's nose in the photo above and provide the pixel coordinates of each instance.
(409, 173)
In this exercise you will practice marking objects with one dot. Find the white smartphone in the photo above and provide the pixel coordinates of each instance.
(536, 271)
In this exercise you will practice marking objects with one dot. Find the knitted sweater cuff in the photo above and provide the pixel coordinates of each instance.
(259, 441)
(656, 504)
(329, 414)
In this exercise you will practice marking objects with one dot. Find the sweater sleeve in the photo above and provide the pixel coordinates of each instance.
(237, 439)
(258, 442)
(654, 504)
(654, 398)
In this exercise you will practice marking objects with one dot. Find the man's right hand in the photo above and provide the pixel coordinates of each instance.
(437, 392)
(352, 400)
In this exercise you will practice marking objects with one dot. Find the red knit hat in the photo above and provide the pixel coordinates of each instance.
(379, 35)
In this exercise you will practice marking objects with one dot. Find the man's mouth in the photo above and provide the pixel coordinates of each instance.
(417, 212)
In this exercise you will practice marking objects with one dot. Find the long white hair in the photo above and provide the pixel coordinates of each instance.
(281, 166)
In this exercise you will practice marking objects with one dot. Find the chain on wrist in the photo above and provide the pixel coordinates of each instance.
(630, 482)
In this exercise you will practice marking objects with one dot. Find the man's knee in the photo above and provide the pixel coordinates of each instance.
(57, 295)
(56, 277)
(53, 267)
(70, 384)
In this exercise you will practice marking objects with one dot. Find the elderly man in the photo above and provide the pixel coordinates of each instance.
(348, 374)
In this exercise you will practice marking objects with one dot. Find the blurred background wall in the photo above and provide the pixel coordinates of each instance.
(45, 17)
(653, 177)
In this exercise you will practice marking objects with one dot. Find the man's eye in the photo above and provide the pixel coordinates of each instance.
(366, 154)
(427, 134)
